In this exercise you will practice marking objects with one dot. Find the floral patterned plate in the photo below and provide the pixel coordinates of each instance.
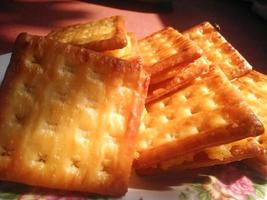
(227, 182)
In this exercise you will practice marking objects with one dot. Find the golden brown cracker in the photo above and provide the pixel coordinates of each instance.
(69, 117)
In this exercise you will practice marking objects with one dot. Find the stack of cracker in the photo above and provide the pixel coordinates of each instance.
(85, 102)
(215, 117)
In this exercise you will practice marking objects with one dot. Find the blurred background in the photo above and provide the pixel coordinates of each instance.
(242, 23)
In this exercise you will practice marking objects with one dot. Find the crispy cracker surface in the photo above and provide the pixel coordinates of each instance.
(166, 49)
(101, 35)
(69, 117)
(208, 112)
(220, 52)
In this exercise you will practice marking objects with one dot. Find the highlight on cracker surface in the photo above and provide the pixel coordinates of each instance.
(208, 112)
(69, 118)
(101, 35)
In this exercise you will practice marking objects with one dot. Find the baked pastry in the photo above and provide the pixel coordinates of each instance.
(69, 117)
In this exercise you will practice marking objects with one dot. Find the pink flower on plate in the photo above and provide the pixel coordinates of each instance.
(49, 197)
(230, 184)
(243, 186)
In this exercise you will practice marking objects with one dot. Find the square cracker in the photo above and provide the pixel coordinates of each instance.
(166, 49)
(69, 117)
(208, 112)
(218, 50)
(101, 35)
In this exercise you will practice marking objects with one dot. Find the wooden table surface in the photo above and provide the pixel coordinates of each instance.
(239, 24)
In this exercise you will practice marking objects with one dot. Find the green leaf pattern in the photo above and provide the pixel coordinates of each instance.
(260, 190)
(191, 191)
(8, 196)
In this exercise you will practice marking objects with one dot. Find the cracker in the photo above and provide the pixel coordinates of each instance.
(208, 112)
(218, 50)
(166, 49)
(177, 78)
(69, 117)
(101, 35)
